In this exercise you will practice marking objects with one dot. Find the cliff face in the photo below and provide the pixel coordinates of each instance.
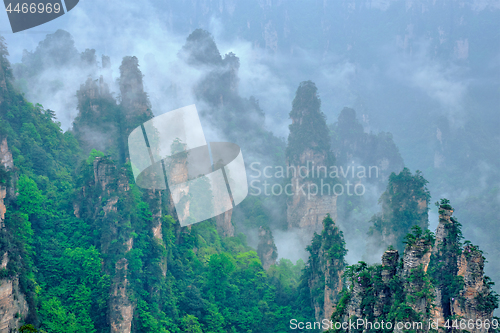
(6, 162)
(351, 143)
(103, 124)
(436, 282)
(155, 200)
(96, 102)
(13, 305)
(98, 201)
(134, 100)
(267, 251)
(325, 269)
(308, 156)
(304, 210)
(471, 297)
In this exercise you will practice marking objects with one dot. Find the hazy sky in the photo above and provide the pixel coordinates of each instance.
(421, 70)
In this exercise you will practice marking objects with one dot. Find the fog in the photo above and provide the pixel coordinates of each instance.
(426, 71)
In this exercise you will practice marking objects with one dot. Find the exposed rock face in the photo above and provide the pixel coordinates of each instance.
(470, 305)
(5, 155)
(7, 163)
(415, 263)
(390, 260)
(3, 209)
(267, 251)
(114, 183)
(120, 307)
(404, 205)
(224, 225)
(308, 211)
(135, 103)
(325, 268)
(425, 286)
(309, 159)
(155, 200)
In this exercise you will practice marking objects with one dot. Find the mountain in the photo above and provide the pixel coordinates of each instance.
(84, 249)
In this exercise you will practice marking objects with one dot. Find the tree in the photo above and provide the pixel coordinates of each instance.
(190, 324)
(404, 205)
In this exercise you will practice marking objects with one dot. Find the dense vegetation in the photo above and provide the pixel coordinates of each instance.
(78, 229)
(65, 263)
(404, 205)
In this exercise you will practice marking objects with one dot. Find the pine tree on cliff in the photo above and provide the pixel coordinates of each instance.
(308, 129)
(404, 205)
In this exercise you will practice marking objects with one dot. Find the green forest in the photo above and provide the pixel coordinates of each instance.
(89, 250)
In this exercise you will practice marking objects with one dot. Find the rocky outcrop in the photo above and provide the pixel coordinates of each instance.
(267, 251)
(102, 124)
(154, 198)
(468, 296)
(3, 208)
(96, 125)
(325, 269)
(415, 264)
(135, 104)
(416, 255)
(351, 143)
(390, 260)
(120, 307)
(474, 299)
(308, 156)
(404, 205)
(13, 305)
(436, 282)
(6, 163)
(5, 155)
(306, 213)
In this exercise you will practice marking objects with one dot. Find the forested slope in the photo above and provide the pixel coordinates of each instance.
(83, 249)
